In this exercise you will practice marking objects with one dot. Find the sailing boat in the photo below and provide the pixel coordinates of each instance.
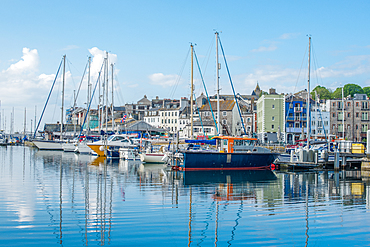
(232, 153)
(53, 144)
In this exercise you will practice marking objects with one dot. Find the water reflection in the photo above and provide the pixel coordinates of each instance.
(66, 198)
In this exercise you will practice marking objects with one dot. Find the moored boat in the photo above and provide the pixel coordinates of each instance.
(232, 153)
(114, 142)
(48, 144)
(153, 157)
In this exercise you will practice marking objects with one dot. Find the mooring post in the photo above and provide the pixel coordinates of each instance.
(336, 159)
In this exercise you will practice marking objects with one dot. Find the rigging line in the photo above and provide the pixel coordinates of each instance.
(299, 74)
(317, 65)
(47, 100)
(232, 86)
(74, 84)
(173, 90)
(200, 117)
(92, 96)
(205, 89)
(78, 91)
(56, 98)
(119, 91)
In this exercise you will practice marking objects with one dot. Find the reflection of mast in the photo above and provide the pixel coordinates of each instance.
(60, 203)
(86, 201)
(306, 233)
(189, 234)
(216, 225)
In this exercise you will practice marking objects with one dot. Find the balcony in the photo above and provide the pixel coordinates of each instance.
(298, 109)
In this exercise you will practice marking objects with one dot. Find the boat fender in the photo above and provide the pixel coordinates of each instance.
(272, 166)
(101, 148)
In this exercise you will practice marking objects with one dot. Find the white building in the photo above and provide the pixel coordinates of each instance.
(153, 117)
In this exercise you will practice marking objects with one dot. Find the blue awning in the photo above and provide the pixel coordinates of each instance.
(210, 142)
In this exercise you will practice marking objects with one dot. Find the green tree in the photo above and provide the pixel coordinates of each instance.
(337, 94)
(352, 89)
(322, 92)
(366, 91)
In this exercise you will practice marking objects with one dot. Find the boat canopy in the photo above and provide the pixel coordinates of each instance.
(234, 138)
(210, 142)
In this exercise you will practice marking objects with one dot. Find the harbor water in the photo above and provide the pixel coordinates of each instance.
(52, 198)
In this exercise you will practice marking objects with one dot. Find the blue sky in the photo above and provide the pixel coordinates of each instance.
(264, 41)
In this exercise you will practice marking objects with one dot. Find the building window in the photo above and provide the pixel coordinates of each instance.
(356, 103)
(333, 103)
(175, 114)
(348, 103)
(273, 106)
(165, 114)
(249, 120)
(356, 114)
(172, 114)
(348, 114)
(162, 121)
(333, 126)
(333, 114)
(224, 113)
(272, 126)
(364, 116)
(273, 118)
(175, 120)
(224, 121)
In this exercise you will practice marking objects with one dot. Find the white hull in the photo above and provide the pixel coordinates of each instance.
(152, 158)
(82, 148)
(69, 147)
(49, 145)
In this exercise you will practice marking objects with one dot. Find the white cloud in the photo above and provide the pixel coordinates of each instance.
(265, 48)
(289, 35)
(70, 47)
(97, 61)
(29, 62)
(163, 80)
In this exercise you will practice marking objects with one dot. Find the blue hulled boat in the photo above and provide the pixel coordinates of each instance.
(231, 153)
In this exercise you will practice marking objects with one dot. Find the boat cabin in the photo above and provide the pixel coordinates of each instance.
(235, 144)
(228, 144)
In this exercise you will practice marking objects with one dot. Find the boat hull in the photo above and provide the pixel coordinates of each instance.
(152, 158)
(49, 145)
(227, 161)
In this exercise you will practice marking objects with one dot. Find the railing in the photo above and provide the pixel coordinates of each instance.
(295, 130)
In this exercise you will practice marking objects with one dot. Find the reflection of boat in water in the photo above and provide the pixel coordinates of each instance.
(152, 167)
(227, 176)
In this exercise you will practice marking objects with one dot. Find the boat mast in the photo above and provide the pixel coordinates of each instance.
(112, 102)
(61, 119)
(106, 94)
(191, 92)
(25, 119)
(308, 93)
(218, 87)
(343, 112)
(88, 99)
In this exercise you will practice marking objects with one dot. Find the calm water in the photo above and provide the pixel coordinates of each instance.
(55, 198)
